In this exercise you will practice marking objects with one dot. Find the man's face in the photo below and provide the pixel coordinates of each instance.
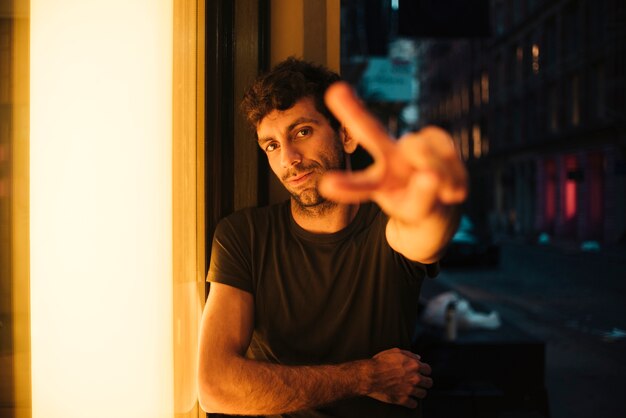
(301, 146)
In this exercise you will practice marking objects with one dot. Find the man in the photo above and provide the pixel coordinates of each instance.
(313, 302)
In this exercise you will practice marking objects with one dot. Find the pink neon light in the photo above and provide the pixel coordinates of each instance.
(570, 199)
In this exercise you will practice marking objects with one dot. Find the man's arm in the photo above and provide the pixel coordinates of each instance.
(423, 223)
(232, 384)
(418, 180)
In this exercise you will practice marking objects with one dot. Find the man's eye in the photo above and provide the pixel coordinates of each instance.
(271, 147)
(303, 132)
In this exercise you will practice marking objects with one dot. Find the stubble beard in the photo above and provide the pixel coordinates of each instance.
(310, 202)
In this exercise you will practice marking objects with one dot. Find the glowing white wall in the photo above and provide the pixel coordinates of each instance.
(101, 217)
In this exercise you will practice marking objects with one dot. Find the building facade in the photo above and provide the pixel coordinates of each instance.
(538, 111)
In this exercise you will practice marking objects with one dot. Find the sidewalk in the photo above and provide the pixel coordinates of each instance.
(564, 262)
(570, 299)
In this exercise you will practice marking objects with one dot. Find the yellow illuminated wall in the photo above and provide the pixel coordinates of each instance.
(308, 29)
(101, 208)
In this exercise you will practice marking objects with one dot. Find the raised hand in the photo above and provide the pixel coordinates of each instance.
(411, 179)
(400, 377)
(418, 180)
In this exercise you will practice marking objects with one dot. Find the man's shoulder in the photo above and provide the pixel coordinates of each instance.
(255, 217)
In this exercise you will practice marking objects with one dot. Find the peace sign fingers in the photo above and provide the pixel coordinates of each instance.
(364, 128)
(360, 124)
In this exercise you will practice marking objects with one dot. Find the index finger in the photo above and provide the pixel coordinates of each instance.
(360, 124)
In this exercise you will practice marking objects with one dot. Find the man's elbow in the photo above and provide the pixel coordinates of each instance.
(210, 395)
(215, 387)
(208, 403)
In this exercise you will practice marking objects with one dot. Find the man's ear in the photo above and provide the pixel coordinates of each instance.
(349, 143)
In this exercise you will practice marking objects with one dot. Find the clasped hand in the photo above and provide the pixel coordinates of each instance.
(400, 377)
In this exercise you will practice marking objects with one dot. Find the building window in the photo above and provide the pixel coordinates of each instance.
(511, 63)
(571, 189)
(535, 55)
(517, 123)
(476, 141)
(550, 43)
(499, 75)
(457, 141)
(526, 58)
(465, 103)
(553, 110)
(465, 151)
(485, 145)
(476, 92)
(530, 119)
(597, 22)
(517, 11)
(484, 87)
(499, 17)
(597, 91)
(499, 134)
(519, 63)
(571, 30)
(575, 100)
(458, 104)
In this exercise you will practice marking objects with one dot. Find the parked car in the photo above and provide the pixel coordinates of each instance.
(470, 247)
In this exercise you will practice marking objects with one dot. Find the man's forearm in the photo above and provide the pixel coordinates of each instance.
(426, 241)
(245, 386)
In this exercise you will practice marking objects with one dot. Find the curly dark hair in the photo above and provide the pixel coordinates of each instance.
(289, 81)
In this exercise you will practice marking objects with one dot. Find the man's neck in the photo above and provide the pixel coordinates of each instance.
(324, 219)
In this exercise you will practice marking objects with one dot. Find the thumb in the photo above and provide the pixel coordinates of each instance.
(348, 187)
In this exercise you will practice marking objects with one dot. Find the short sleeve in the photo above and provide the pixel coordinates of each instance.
(231, 255)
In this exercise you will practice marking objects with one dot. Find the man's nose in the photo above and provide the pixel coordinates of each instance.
(290, 156)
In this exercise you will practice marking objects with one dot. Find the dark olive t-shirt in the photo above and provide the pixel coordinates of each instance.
(321, 298)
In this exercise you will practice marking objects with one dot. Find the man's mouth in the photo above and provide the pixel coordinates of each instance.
(299, 178)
